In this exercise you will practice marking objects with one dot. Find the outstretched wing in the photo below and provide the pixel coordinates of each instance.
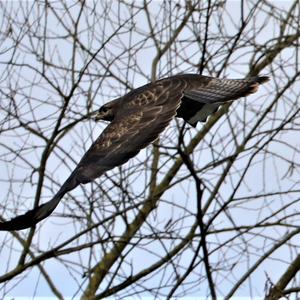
(144, 114)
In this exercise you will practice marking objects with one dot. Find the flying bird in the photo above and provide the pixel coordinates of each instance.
(136, 120)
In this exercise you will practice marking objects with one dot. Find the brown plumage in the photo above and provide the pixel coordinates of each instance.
(137, 119)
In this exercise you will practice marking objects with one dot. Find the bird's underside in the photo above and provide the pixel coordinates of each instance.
(137, 119)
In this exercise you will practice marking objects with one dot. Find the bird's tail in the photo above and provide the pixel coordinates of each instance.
(256, 81)
(32, 217)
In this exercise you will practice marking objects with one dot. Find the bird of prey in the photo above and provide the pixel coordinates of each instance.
(136, 120)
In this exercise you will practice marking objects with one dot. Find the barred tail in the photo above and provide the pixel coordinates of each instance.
(32, 217)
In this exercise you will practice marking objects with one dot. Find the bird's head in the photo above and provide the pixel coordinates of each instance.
(107, 111)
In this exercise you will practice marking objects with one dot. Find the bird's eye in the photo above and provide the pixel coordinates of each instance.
(104, 109)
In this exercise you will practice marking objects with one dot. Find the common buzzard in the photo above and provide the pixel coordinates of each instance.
(136, 120)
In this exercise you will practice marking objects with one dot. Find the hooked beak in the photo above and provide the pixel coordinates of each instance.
(98, 116)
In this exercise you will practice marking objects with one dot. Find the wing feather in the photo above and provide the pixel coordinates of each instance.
(143, 115)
